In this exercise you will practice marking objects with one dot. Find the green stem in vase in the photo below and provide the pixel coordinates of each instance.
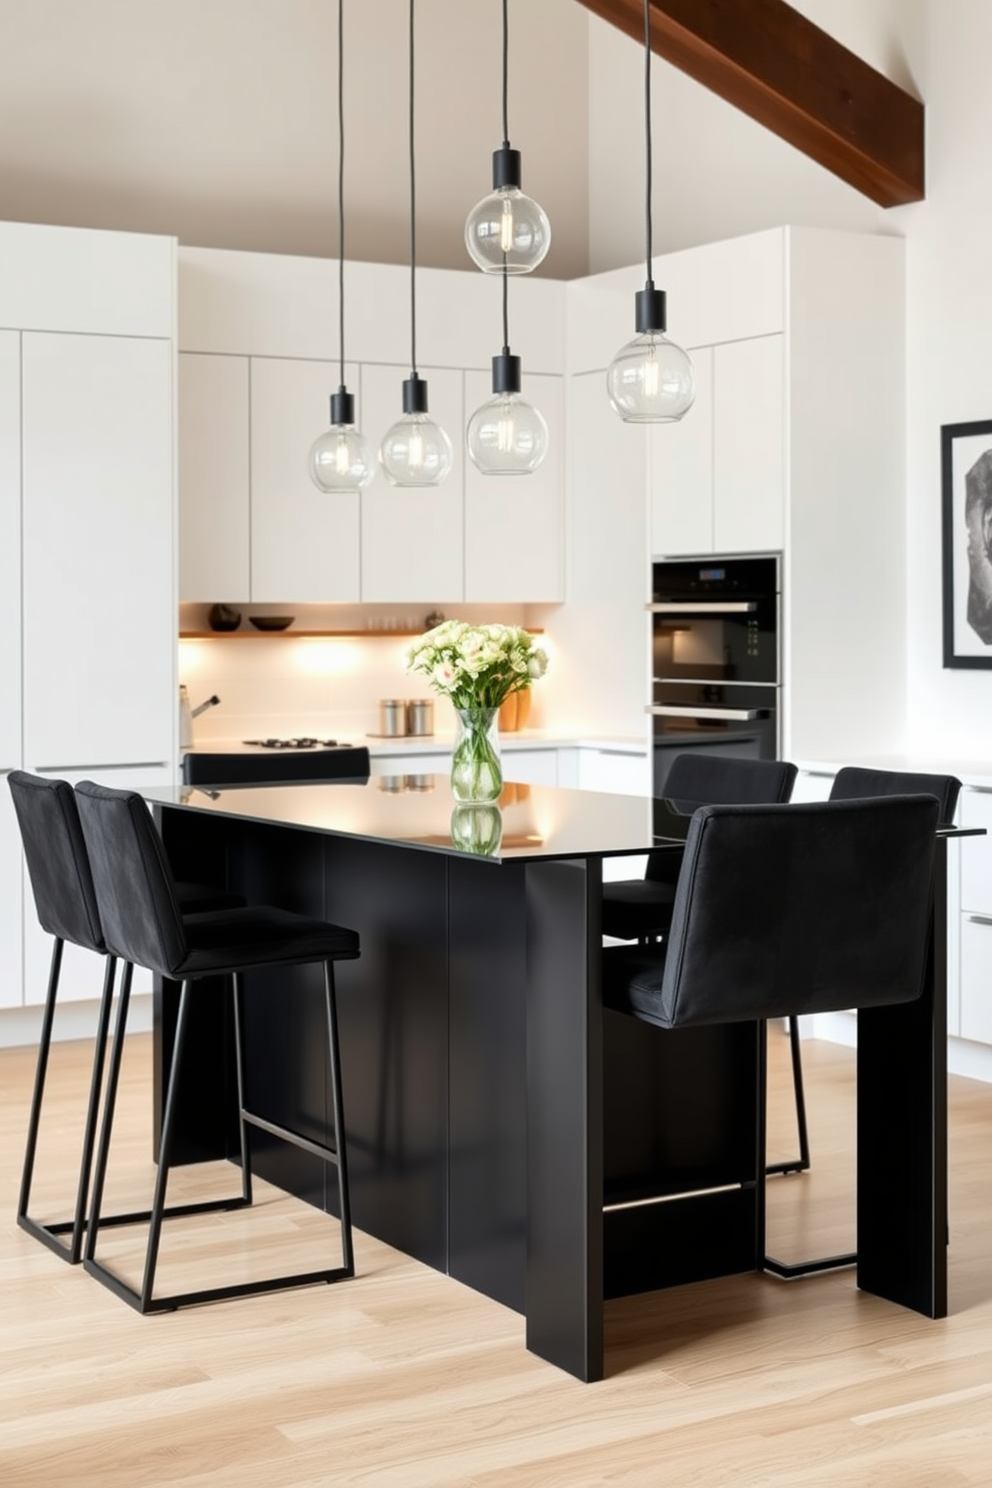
(476, 769)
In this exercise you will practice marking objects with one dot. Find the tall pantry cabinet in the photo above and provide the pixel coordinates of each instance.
(87, 494)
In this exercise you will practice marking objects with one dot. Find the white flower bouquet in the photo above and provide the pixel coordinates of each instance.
(478, 667)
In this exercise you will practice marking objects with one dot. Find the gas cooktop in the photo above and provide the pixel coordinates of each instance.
(302, 743)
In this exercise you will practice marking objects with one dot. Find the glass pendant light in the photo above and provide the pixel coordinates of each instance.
(507, 436)
(340, 458)
(650, 380)
(416, 451)
(507, 232)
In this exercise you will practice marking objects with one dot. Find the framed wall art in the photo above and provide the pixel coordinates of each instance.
(966, 477)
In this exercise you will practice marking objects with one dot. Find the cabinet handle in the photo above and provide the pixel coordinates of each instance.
(977, 919)
(118, 765)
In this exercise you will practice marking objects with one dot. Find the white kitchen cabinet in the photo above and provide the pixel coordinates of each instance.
(10, 548)
(975, 918)
(531, 766)
(681, 471)
(412, 538)
(304, 543)
(812, 785)
(513, 523)
(10, 664)
(214, 492)
(98, 550)
(81, 977)
(976, 978)
(615, 772)
(717, 476)
(748, 446)
(11, 900)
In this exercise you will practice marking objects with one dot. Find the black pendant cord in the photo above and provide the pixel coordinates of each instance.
(506, 52)
(341, 188)
(413, 220)
(506, 312)
(647, 134)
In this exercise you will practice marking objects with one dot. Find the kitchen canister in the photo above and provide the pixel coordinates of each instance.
(420, 716)
(392, 717)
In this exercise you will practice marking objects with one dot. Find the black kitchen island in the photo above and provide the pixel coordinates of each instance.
(503, 1126)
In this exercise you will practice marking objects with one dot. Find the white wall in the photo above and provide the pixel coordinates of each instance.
(216, 120)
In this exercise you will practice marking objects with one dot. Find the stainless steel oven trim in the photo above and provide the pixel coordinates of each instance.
(703, 607)
(731, 715)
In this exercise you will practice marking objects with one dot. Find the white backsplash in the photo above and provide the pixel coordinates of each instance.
(320, 686)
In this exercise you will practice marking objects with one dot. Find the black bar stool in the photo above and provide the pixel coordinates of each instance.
(641, 908)
(65, 901)
(142, 924)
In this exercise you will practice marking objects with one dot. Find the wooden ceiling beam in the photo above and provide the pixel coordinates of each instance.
(773, 64)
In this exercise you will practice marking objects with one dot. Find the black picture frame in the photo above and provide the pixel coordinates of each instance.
(966, 486)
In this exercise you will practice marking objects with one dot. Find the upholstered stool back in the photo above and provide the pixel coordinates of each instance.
(784, 910)
(57, 861)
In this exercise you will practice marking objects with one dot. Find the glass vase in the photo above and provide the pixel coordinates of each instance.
(477, 827)
(476, 769)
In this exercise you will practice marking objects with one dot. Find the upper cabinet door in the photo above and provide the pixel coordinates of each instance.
(10, 548)
(412, 539)
(681, 472)
(214, 544)
(513, 523)
(99, 566)
(304, 544)
(749, 446)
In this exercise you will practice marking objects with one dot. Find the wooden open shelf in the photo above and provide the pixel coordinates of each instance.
(249, 633)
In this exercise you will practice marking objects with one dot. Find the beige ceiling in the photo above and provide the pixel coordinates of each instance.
(215, 120)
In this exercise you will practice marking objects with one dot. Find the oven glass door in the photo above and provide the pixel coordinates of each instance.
(712, 716)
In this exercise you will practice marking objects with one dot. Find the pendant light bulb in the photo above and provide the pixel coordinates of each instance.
(507, 232)
(650, 380)
(416, 451)
(340, 458)
(507, 436)
(507, 229)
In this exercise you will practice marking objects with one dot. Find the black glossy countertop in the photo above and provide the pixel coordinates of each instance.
(541, 822)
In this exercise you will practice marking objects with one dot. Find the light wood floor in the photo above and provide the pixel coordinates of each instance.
(404, 1379)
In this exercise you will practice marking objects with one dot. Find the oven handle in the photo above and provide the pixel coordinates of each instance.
(731, 715)
(704, 607)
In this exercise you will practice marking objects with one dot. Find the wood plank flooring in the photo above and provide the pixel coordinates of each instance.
(404, 1379)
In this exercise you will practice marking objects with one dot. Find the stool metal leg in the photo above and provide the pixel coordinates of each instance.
(144, 1300)
(801, 1163)
(337, 1108)
(48, 1234)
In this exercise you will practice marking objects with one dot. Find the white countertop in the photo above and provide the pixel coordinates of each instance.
(969, 772)
(409, 745)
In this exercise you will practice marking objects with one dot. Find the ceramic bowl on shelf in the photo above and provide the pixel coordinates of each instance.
(223, 617)
(272, 622)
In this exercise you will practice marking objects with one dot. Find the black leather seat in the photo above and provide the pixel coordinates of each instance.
(641, 908)
(62, 885)
(142, 924)
(836, 918)
(856, 783)
(277, 766)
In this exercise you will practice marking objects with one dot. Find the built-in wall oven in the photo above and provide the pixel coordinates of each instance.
(716, 682)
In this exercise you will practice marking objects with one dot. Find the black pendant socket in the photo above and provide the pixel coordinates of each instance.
(506, 168)
(506, 373)
(414, 394)
(342, 407)
(649, 311)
